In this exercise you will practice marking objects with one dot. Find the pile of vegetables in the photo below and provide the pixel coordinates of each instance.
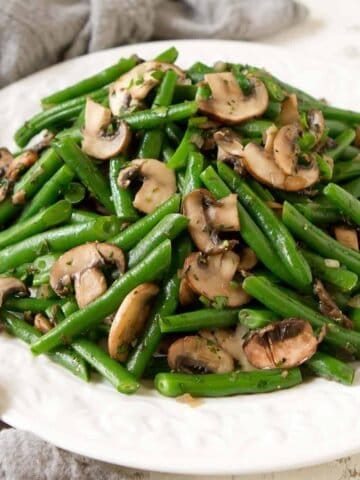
(197, 227)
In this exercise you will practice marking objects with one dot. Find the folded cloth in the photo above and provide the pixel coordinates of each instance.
(38, 33)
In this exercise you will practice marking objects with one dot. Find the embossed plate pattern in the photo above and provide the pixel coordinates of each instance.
(310, 424)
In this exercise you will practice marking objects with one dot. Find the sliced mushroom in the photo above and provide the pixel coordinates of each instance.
(248, 260)
(286, 149)
(347, 236)
(357, 137)
(130, 319)
(289, 110)
(137, 83)
(316, 123)
(328, 307)
(228, 102)
(9, 286)
(96, 141)
(213, 277)
(11, 167)
(261, 165)
(270, 134)
(42, 323)
(82, 265)
(194, 354)
(283, 344)
(158, 183)
(208, 216)
(186, 294)
(230, 148)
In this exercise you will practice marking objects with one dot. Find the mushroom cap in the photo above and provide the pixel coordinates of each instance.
(137, 83)
(96, 142)
(89, 285)
(186, 294)
(228, 102)
(347, 236)
(230, 148)
(11, 167)
(194, 354)
(213, 277)
(42, 323)
(261, 165)
(158, 183)
(289, 110)
(285, 149)
(208, 216)
(10, 285)
(283, 344)
(248, 260)
(81, 258)
(130, 320)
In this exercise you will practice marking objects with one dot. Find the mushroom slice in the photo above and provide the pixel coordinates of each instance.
(42, 323)
(96, 141)
(213, 277)
(89, 285)
(328, 307)
(186, 294)
(357, 137)
(208, 216)
(230, 148)
(248, 260)
(130, 319)
(11, 167)
(194, 354)
(228, 102)
(283, 344)
(270, 134)
(261, 165)
(285, 148)
(82, 264)
(289, 110)
(347, 236)
(137, 83)
(158, 183)
(316, 123)
(10, 285)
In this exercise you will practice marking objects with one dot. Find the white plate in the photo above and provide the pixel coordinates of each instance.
(313, 423)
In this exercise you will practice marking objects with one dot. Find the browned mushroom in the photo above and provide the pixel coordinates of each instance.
(357, 137)
(289, 110)
(10, 285)
(11, 167)
(328, 307)
(228, 102)
(214, 277)
(42, 323)
(194, 354)
(230, 148)
(248, 260)
(186, 294)
(347, 236)
(134, 85)
(96, 141)
(209, 216)
(82, 264)
(158, 183)
(286, 149)
(130, 319)
(283, 344)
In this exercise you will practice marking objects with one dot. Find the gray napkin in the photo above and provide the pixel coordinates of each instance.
(38, 33)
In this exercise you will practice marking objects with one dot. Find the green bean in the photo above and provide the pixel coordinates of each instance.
(318, 240)
(333, 113)
(59, 239)
(92, 83)
(324, 365)
(262, 192)
(224, 384)
(83, 216)
(195, 166)
(249, 231)
(350, 152)
(166, 89)
(338, 276)
(283, 304)
(69, 307)
(58, 114)
(273, 110)
(156, 117)
(243, 81)
(352, 187)
(49, 193)
(256, 317)
(168, 228)
(73, 132)
(343, 201)
(168, 56)
(185, 147)
(343, 140)
(278, 235)
(197, 71)
(354, 315)
(86, 170)
(30, 304)
(335, 127)
(75, 192)
(129, 237)
(121, 197)
(148, 270)
(63, 356)
(50, 217)
(157, 364)
(253, 128)
(318, 213)
(167, 151)
(346, 170)
(174, 133)
(184, 92)
(151, 143)
(194, 321)
(275, 91)
(110, 369)
(166, 303)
